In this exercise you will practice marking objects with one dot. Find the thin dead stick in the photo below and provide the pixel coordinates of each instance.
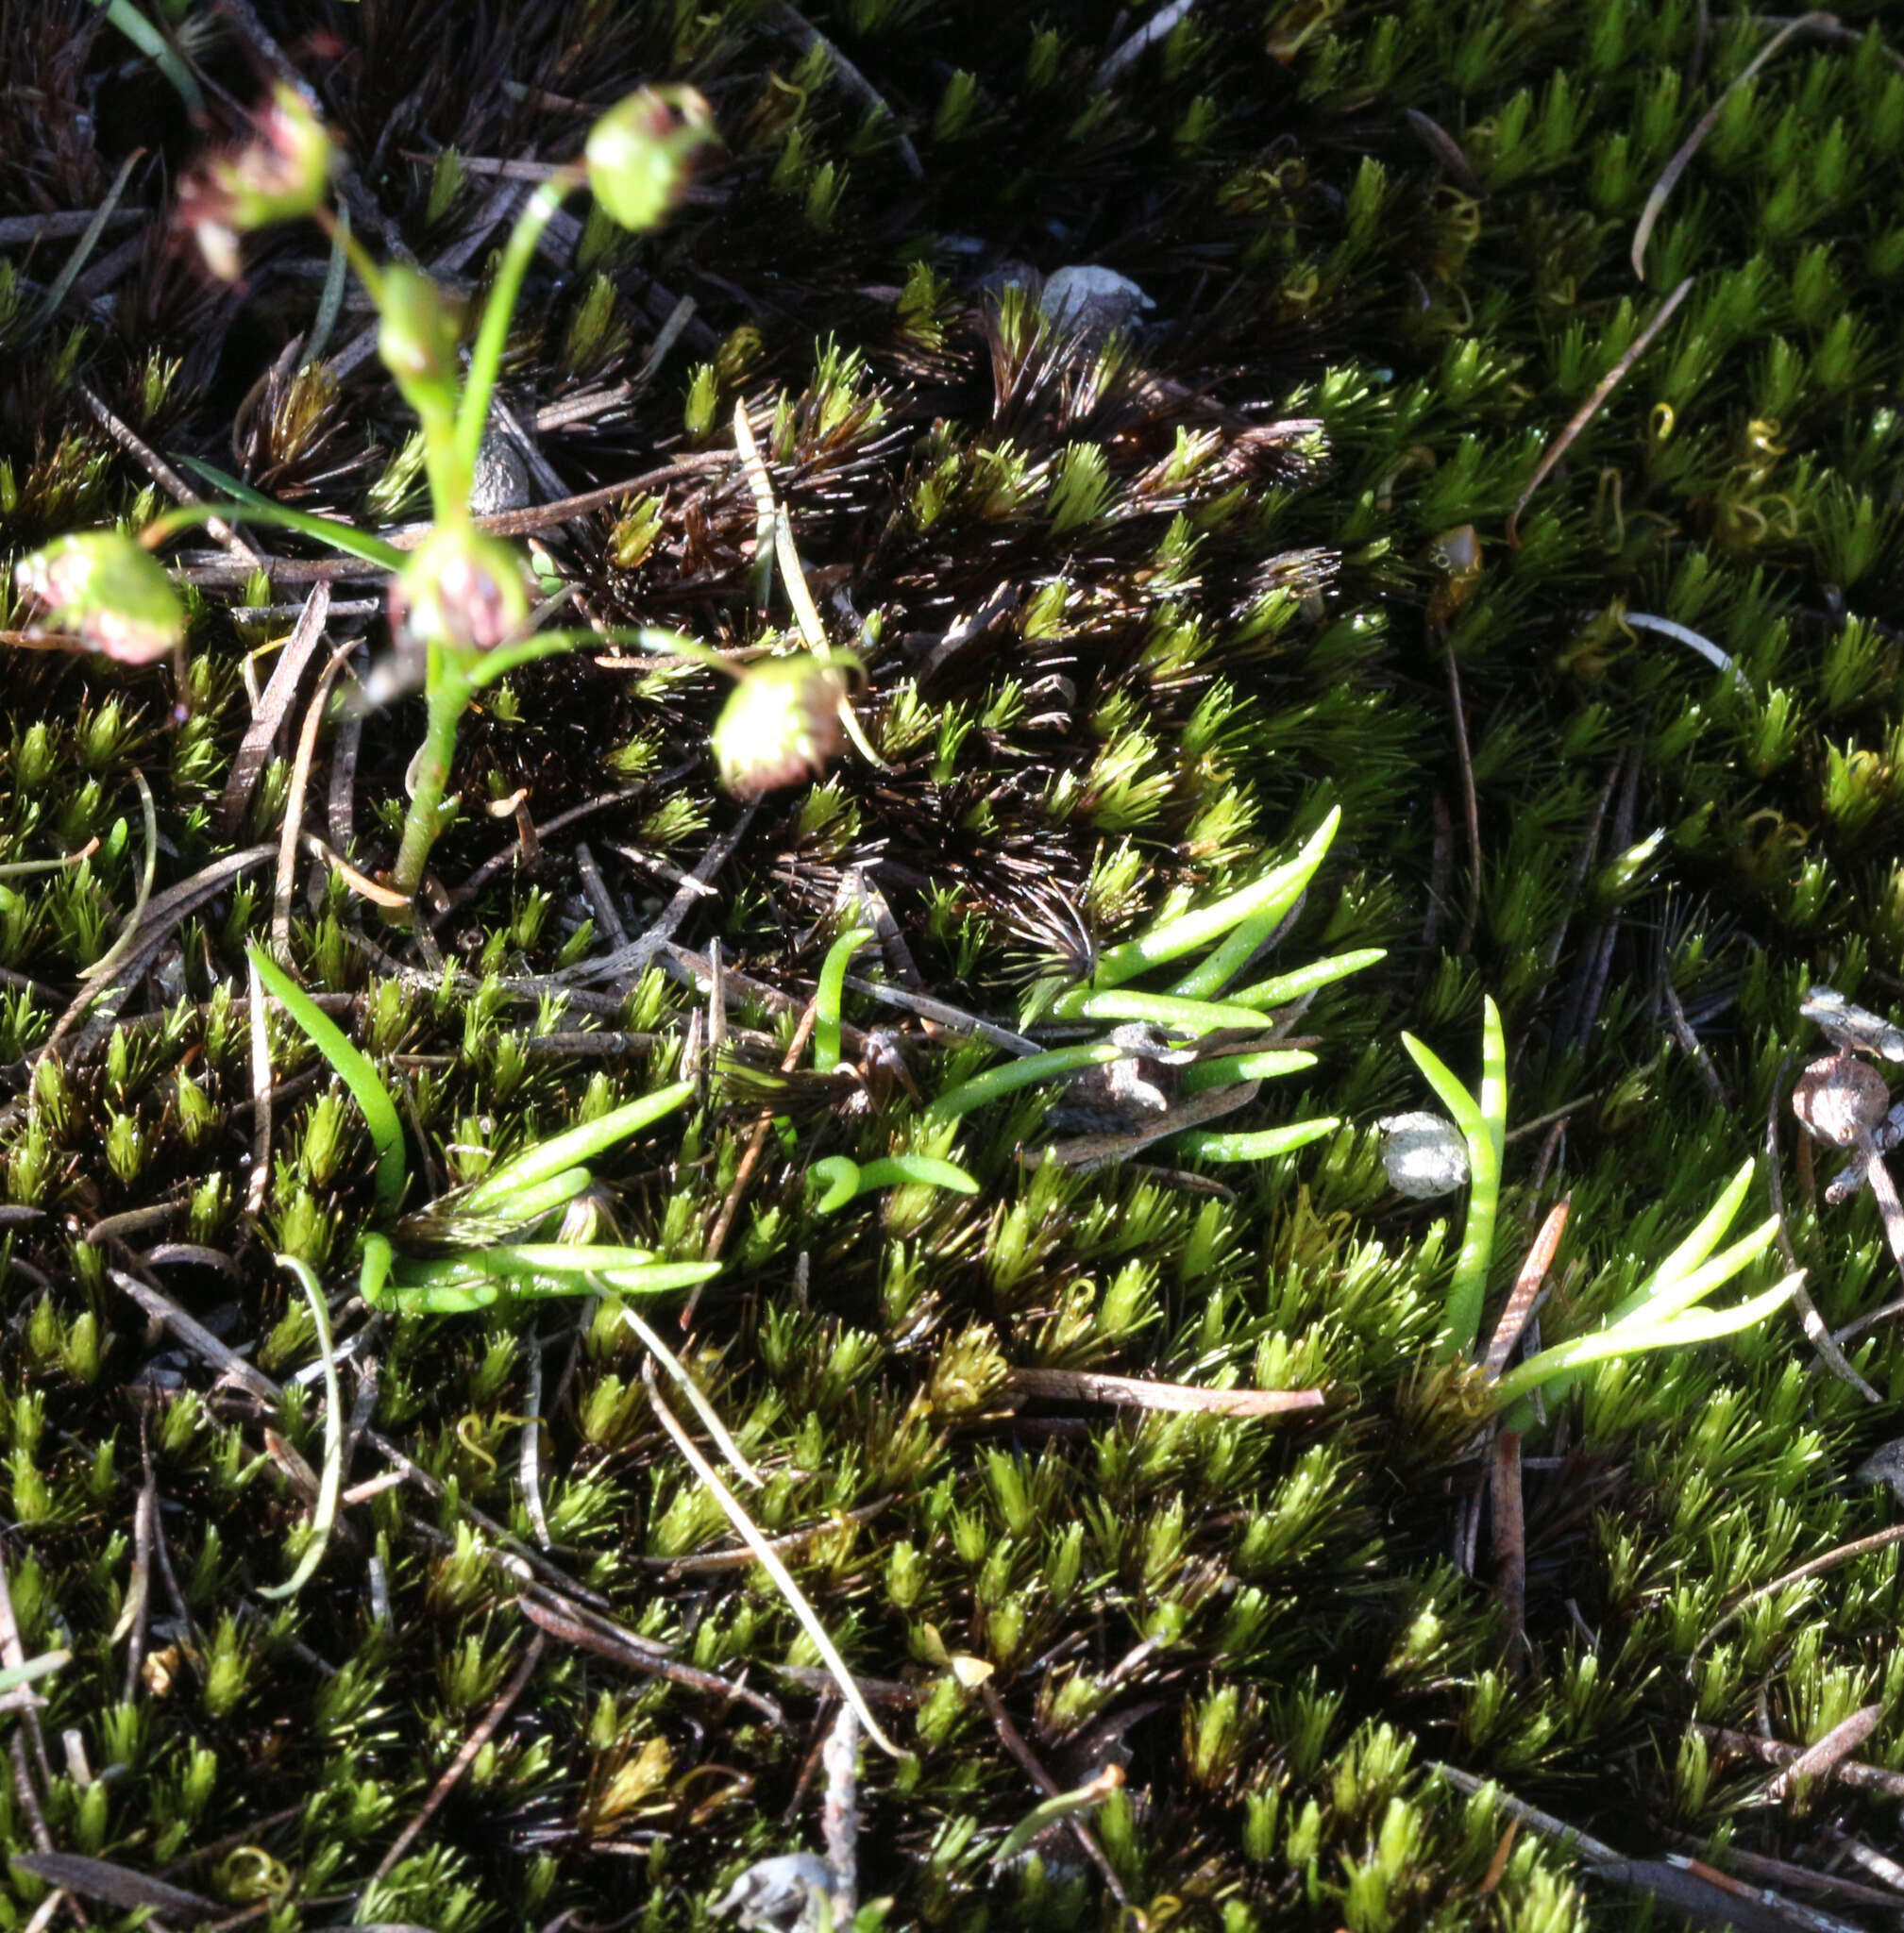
(1014, 1742)
(529, 1462)
(1590, 408)
(1690, 1043)
(13, 1655)
(1847, 1772)
(535, 517)
(1669, 175)
(1823, 1759)
(261, 1094)
(1137, 1392)
(510, 1549)
(268, 715)
(1783, 1873)
(196, 1337)
(1086, 1152)
(1471, 801)
(293, 830)
(1129, 51)
(15, 229)
(575, 1626)
(481, 1733)
(839, 1813)
(165, 475)
(138, 1591)
(751, 1159)
(1860, 1547)
(1520, 1306)
(1511, 1538)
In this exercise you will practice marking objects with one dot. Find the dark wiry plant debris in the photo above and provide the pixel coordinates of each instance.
(1132, 619)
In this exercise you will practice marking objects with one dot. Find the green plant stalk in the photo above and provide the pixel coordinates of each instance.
(350, 1064)
(492, 338)
(447, 690)
(246, 503)
(1483, 1126)
(1269, 1064)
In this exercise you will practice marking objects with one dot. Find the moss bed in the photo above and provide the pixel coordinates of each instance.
(1134, 622)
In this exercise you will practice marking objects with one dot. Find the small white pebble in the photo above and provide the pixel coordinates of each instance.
(1423, 1154)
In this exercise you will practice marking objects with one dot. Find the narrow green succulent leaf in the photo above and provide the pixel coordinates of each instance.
(1607, 1345)
(995, 1083)
(375, 1275)
(1483, 1125)
(842, 1178)
(531, 1204)
(561, 1258)
(253, 506)
(331, 1480)
(1694, 1251)
(351, 1065)
(1276, 890)
(1181, 1015)
(1304, 981)
(1674, 1295)
(831, 994)
(523, 1175)
(1263, 1144)
(1227, 1070)
(1260, 908)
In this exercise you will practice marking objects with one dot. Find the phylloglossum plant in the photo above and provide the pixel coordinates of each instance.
(1663, 1312)
(460, 603)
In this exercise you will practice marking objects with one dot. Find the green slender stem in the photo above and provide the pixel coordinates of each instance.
(448, 694)
(485, 356)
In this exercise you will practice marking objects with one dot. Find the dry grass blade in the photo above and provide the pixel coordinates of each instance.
(750, 1536)
(1590, 408)
(1859, 1547)
(1138, 1392)
(292, 829)
(1669, 175)
(1520, 1306)
(196, 1337)
(1511, 1539)
(165, 475)
(117, 1886)
(268, 715)
(795, 23)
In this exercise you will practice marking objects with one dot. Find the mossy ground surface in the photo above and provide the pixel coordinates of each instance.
(1389, 250)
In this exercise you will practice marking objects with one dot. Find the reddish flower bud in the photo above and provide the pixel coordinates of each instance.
(279, 174)
(641, 152)
(461, 590)
(112, 595)
(781, 725)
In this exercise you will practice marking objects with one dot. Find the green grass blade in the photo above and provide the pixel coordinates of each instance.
(1179, 1014)
(41, 1667)
(1674, 1295)
(82, 249)
(519, 1178)
(1304, 981)
(350, 1064)
(251, 506)
(830, 994)
(156, 48)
